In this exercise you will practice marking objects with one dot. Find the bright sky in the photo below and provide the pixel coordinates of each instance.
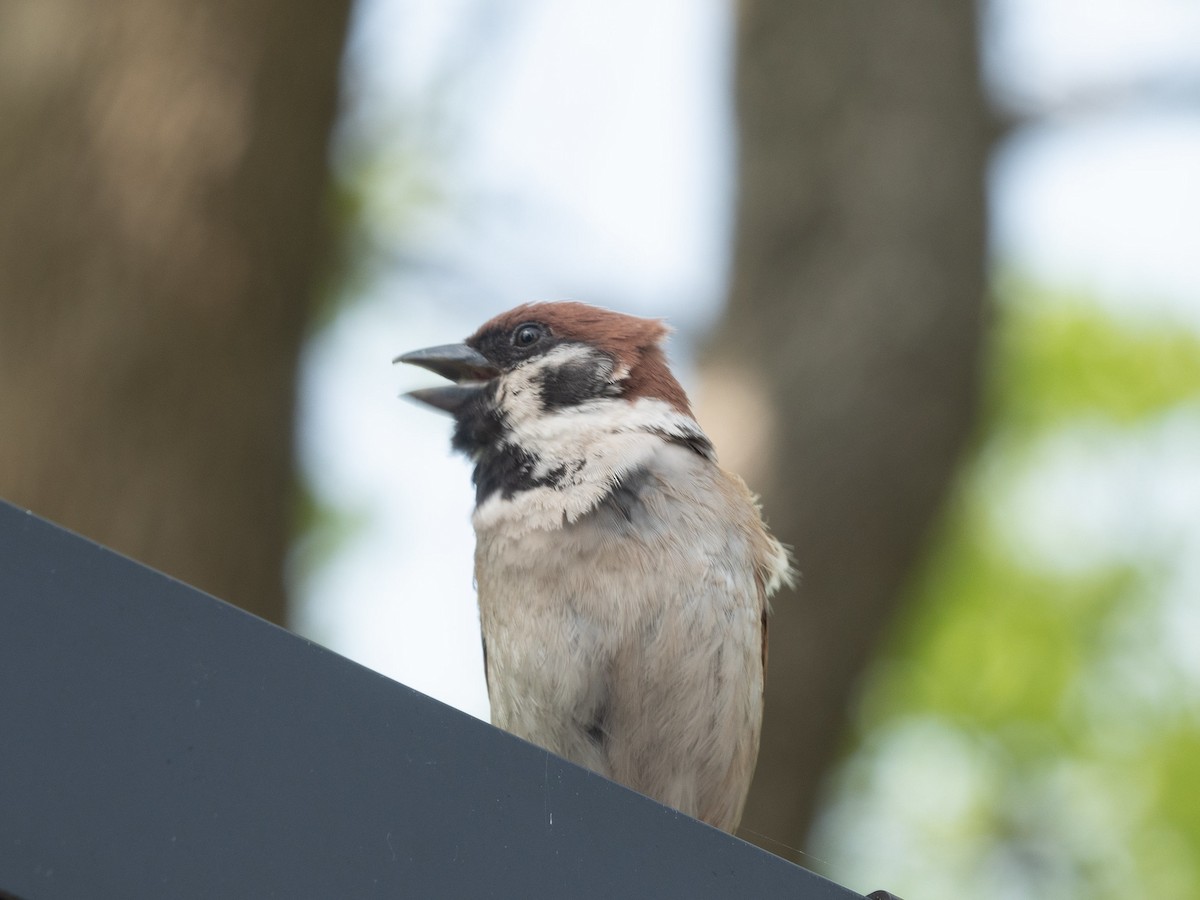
(584, 150)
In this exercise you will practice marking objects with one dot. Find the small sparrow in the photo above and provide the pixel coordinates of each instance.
(623, 576)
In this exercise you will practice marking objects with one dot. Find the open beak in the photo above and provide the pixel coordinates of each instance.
(465, 366)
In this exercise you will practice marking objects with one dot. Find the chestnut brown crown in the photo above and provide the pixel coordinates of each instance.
(635, 344)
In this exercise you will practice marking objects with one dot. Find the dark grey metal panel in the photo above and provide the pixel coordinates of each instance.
(156, 742)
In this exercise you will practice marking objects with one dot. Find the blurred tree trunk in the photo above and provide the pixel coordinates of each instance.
(847, 358)
(162, 180)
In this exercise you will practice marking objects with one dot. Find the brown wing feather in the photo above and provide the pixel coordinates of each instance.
(487, 680)
(772, 563)
(764, 643)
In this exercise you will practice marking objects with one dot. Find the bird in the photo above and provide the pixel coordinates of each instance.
(623, 576)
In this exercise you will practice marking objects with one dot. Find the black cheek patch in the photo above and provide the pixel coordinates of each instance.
(575, 382)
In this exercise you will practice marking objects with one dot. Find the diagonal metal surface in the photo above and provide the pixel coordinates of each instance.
(157, 742)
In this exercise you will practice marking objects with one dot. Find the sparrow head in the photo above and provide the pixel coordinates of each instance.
(570, 352)
(536, 388)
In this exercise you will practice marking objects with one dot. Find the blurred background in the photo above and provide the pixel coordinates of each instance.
(935, 274)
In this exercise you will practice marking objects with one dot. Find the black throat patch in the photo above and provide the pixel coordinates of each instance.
(481, 433)
(508, 470)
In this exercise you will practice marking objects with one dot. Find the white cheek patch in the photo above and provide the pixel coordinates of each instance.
(519, 398)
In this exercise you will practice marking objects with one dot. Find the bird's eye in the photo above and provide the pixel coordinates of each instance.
(527, 335)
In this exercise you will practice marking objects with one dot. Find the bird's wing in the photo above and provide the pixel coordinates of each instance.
(772, 562)
(764, 636)
(487, 681)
